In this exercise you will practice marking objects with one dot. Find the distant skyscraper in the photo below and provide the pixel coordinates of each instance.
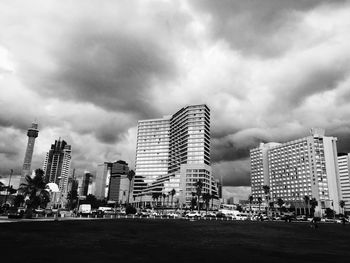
(299, 168)
(86, 181)
(112, 182)
(32, 134)
(174, 153)
(119, 182)
(57, 165)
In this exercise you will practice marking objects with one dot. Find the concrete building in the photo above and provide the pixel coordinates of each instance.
(299, 168)
(32, 134)
(85, 184)
(119, 183)
(344, 177)
(57, 165)
(111, 181)
(103, 175)
(174, 153)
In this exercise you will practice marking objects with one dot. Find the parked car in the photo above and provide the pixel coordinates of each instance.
(193, 214)
(48, 212)
(241, 217)
(173, 215)
(15, 212)
(301, 218)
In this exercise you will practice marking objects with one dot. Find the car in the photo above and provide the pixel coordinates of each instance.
(173, 215)
(48, 212)
(241, 217)
(220, 215)
(15, 212)
(39, 211)
(342, 220)
(301, 218)
(193, 214)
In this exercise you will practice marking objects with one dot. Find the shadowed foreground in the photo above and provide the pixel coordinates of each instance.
(172, 241)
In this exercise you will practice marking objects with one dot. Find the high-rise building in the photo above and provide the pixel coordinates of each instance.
(32, 134)
(344, 177)
(103, 175)
(57, 165)
(119, 183)
(299, 168)
(86, 182)
(111, 181)
(174, 153)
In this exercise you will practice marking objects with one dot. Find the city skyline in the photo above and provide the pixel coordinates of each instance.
(88, 80)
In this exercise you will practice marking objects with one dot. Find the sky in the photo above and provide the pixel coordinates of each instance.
(86, 71)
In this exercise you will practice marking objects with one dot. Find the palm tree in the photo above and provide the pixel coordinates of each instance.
(72, 198)
(199, 187)
(206, 198)
(154, 197)
(280, 203)
(259, 202)
(307, 202)
(164, 196)
(172, 193)
(212, 197)
(313, 203)
(266, 189)
(251, 198)
(342, 204)
(131, 175)
(34, 189)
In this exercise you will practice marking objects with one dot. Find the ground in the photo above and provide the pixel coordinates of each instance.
(156, 240)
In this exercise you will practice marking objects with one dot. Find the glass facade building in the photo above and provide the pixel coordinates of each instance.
(165, 146)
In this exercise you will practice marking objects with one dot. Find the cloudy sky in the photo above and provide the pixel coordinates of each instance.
(88, 70)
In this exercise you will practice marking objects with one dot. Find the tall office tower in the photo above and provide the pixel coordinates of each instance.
(57, 165)
(344, 177)
(174, 152)
(119, 183)
(152, 152)
(86, 181)
(32, 134)
(303, 167)
(103, 175)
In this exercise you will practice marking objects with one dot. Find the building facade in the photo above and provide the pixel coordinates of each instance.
(57, 165)
(112, 181)
(174, 153)
(32, 134)
(299, 168)
(119, 183)
(344, 177)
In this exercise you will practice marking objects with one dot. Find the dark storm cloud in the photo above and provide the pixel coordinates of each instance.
(318, 79)
(233, 173)
(254, 27)
(113, 70)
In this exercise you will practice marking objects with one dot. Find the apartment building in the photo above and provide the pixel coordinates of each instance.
(299, 168)
(344, 178)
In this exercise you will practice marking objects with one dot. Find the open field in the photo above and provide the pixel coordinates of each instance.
(146, 240)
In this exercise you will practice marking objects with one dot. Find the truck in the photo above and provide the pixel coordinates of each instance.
(84, 209)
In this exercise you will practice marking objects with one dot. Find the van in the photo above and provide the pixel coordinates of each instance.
(84, 209)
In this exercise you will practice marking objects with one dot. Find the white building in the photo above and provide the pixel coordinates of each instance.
(299, 168)
(344, 177)
(174, 153)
